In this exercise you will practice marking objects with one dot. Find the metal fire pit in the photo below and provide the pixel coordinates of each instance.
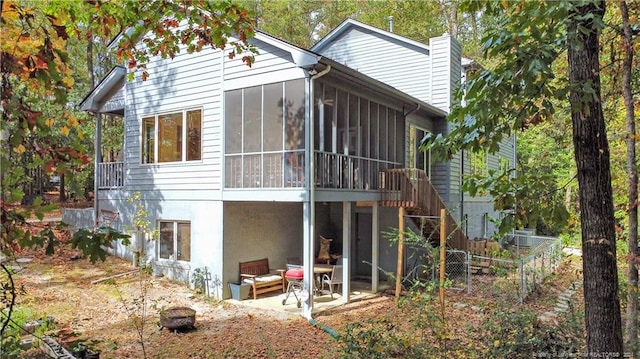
(178, 318)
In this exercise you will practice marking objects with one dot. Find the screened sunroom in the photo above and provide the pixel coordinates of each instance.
(355, 137)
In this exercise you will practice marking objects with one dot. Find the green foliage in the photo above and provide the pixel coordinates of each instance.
(23, 321)
(425, 336)
(141, 220)
(517, 333)
(199, 279)
(421, 260)
(420, 330)
(94, 242)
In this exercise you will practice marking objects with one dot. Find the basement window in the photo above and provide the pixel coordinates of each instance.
(175, 240)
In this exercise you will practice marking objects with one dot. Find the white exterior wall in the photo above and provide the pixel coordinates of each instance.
(189, 191)
(205, 217)
(176, 85)
(445, 70)
(256, 230)
(400, 65)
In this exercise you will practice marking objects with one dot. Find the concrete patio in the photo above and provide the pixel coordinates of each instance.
(323, 302)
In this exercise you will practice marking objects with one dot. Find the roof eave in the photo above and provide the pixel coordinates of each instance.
(384, 88)
(110, 84)
(348, 23)
(302, 58)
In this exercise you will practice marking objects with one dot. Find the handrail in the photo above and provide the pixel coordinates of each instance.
(411, 188)
(339, 171)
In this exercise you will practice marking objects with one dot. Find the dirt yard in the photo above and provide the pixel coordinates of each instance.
(108, 312)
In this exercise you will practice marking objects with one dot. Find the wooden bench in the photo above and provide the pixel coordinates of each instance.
(261, 277)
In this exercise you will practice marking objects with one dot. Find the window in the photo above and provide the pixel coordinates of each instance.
(175, 240)
(179, 137)
(478, 163)
(418, 158)
(265, 135)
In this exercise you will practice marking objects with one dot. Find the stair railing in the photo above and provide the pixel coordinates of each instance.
(411, 188)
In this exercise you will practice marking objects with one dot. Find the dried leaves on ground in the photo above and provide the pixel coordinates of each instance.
(111, 312)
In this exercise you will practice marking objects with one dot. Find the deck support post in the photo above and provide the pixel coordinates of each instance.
(308, 258)
(400, 252)
(443, 243)
(96, 171)
(346, 250)
(375, 253)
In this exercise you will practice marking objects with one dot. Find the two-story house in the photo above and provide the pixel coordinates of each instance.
(235, 163)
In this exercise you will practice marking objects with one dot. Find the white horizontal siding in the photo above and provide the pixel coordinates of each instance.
(114, 103)
(397, 64)
(445, 70)
(193, 81)
(188, 81)
(269, 59)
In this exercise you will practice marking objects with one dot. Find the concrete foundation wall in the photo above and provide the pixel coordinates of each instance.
(205, 218)
(256, 230)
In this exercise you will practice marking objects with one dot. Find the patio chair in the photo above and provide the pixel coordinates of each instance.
(334, 278)
(106, 218)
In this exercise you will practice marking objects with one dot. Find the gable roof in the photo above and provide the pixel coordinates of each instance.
(361, 79)
(104, 90)
(307, 59)
(311, 59)
(349, 24)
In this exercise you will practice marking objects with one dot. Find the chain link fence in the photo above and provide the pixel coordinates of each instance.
(536, 257)
(509, 271)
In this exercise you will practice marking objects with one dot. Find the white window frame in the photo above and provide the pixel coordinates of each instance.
(174, 256)
(156, 151)
(414, 148)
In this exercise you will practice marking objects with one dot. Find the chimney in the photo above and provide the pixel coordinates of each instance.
(390, 18)
(445, 53)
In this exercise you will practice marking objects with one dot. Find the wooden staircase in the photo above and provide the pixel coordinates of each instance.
(411, 188)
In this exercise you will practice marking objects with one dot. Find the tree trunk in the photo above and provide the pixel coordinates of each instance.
(62, 196)
(631, 325)
(602, 302)
(92, 75)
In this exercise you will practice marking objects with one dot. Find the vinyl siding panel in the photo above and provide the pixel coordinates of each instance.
(189, 81)
(400, 65)
(445, 70)
(269, 60)
(115, 103)
(193, 81)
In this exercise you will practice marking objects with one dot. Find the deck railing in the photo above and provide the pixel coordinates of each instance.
(411, 188)
(110, 175)
(338, 171)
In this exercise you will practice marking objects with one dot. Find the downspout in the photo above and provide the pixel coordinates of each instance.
(462, 192)
(312, 191)
(411, 112)
(96, 170)
(327, 329)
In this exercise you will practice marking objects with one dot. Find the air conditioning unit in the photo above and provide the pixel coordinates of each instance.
(523, 237)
